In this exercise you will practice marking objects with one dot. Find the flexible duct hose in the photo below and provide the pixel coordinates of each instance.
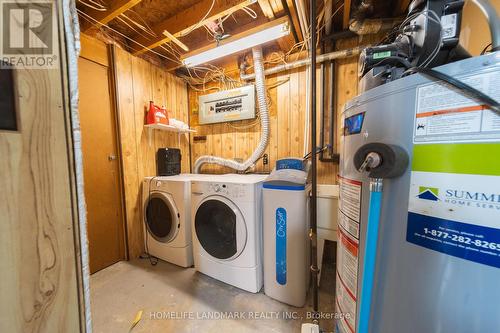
(264, 122)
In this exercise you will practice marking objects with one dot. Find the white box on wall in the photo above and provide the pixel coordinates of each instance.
(228, 105)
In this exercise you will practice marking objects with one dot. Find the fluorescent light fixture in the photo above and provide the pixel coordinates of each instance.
(243, 43)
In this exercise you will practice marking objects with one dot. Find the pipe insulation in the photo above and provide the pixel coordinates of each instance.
(307, 61)
(72, 36)
(264, 122)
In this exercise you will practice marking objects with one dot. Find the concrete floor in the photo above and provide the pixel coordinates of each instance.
(120, 291)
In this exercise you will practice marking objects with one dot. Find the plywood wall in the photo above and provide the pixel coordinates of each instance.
(139, 82)
(237, 140)
(40, 268)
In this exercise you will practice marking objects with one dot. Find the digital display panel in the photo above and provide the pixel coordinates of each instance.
(353, 124)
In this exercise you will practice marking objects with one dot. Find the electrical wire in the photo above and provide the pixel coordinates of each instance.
(463, 87)
(197, 25)
(93, 5)
(99, 25)
(152, 259)
(483, 52)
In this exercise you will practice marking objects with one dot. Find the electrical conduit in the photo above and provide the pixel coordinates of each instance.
(370, 254)
(264, 121)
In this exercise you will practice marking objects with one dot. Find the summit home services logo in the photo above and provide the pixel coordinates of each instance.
(428, 193)
(28, 34)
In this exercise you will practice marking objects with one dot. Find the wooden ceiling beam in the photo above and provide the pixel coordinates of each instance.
(273, 9)
(266, 8)
(115, 9)
(189, 19)
(402, 6)
(347, 14)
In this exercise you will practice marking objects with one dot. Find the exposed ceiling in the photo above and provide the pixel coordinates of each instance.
(139, 25)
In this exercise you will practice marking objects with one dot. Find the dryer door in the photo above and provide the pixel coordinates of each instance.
(162, 217)
(220, 228)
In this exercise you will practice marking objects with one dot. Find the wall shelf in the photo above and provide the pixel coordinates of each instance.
(168, 128)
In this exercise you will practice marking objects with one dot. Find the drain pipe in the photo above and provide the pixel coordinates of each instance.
(307, 62)
(264, 121)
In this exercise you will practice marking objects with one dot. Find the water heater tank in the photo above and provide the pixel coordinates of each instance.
(438, 257)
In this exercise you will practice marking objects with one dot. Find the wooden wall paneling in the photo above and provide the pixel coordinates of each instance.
(283, 115)
(199, 148)
(94, 50)
(138, 82)
(302, 80)
(141, 72)
(183, 115)
(297, 128)
(228, 143)
(39, 253)
(172, 107)
(272, 147)
(159, 90)
(129, 148)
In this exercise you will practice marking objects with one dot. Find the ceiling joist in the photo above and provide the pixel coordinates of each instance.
(115, 9)
(347, 14)
(188, 20)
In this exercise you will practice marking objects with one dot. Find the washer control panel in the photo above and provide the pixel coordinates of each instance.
(228, 190)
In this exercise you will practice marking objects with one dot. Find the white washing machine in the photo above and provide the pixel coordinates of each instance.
(167, 217)
(227, 229)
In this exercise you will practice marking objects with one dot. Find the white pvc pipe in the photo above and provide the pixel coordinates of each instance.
(264, 121)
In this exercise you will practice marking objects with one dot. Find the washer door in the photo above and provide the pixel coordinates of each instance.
(162, 217)
(220, 228)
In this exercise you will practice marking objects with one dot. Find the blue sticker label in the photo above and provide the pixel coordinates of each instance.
(470, 242)
(281, 246)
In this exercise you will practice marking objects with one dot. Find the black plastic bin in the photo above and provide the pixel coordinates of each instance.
(168, 161)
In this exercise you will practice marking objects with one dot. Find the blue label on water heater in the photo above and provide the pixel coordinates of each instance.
(281, 246)
(467, 241)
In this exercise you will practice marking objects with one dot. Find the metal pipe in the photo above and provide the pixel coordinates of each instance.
(313, 228)
(322, 109)
(303, 62)
(333, 155)
(372, 26)
(493, 21)
(339, 35)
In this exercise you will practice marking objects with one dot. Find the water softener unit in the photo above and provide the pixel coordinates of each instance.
(436, 152)
(285, 224)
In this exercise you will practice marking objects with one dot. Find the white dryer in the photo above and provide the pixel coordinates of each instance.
(167, 218)
(227, 229)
